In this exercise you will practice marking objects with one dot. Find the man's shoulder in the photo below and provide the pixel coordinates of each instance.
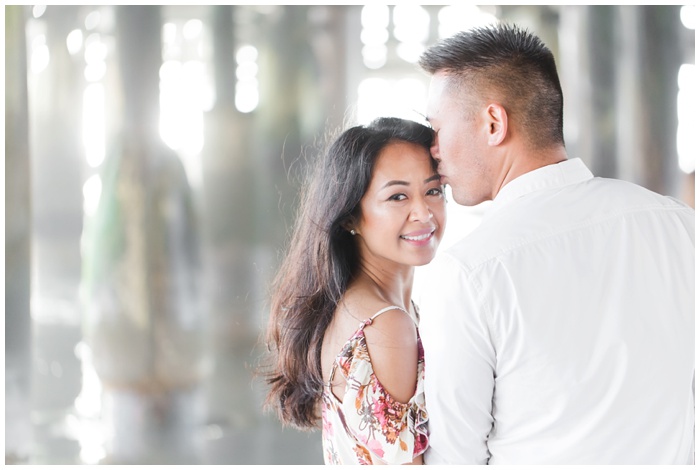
(614, 197)
(551, 213)
(632, 192)
(476, 248)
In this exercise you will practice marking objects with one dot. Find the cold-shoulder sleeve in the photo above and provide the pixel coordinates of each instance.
(394, 432)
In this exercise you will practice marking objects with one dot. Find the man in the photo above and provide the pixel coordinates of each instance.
(561, 330)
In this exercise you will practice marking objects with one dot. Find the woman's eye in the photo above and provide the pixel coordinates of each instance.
(397, 197)
(435, 192)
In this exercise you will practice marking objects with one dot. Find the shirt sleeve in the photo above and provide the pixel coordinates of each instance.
(459, 365)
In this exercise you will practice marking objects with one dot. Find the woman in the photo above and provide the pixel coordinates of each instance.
(343, 329)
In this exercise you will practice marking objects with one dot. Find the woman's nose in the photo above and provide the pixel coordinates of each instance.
(421, 211)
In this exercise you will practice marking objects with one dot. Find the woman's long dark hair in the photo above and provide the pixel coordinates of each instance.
(321, 261)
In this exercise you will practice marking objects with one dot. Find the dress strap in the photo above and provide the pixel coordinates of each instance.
(362, 326)
(385, 309)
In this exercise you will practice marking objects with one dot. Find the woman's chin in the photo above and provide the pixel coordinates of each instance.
(422, 261)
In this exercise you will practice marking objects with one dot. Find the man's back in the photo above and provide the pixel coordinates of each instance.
(562, 329)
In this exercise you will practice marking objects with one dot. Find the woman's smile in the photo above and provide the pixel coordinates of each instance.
(419, 237)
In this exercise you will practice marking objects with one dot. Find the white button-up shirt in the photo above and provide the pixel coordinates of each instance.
(561, 330)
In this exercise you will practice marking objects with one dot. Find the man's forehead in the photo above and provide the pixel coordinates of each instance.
(437, 93)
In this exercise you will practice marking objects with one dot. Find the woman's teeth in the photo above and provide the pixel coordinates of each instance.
(418, 238)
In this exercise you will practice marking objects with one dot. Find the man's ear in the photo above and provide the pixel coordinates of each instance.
(497, 121)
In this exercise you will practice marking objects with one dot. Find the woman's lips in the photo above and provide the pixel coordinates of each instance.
(419, 237)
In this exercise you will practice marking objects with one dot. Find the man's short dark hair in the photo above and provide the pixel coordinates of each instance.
(513, 63)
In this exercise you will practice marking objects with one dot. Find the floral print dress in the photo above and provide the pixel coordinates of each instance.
(368, 421)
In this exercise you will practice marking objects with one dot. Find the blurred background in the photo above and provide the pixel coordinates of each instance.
(153, 157)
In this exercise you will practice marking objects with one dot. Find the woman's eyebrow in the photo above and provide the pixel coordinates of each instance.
(396, 182)
(406, 183)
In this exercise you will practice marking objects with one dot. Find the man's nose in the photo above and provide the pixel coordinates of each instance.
(435, 151)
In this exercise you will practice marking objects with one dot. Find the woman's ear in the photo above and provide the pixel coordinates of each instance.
(497, 120)
(349, 225)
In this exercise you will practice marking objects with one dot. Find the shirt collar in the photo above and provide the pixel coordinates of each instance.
(548, 177)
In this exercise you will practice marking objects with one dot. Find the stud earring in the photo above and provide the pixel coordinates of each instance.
(352, 232)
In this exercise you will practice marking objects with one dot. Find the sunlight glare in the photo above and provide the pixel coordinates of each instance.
(74, 41)
(247, 88)
(40, 54)
(375, 16)
(94, 138)
(385, 97)
(455, 18)
(689, 16)
(412, 23)
(192, 29)
(92, 189)
(92, 20)
(38, 10)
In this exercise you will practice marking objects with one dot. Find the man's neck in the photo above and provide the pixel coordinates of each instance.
(519, 163)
